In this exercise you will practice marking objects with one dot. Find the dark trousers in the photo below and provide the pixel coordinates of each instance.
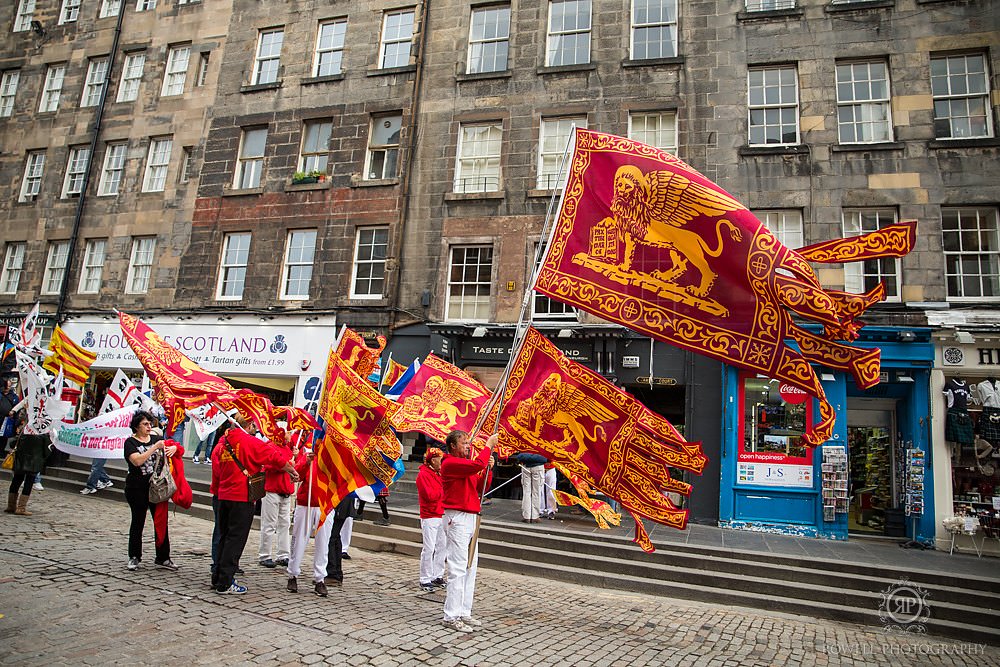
(235, 519)
(22, 478)
(334, 568)
(138, 502)
(216, 536)
(383, 502)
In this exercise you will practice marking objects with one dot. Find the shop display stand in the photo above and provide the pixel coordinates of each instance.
(913, 489)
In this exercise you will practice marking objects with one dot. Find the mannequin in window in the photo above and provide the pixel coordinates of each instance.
(957, 423)
(989, 420)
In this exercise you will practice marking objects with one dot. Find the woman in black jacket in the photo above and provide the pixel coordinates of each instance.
(29, 459)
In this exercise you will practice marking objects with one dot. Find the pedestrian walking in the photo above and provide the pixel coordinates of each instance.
(305, 523)
(335, 547)
(8, 420)
(430, 496)
(463, 481)
(140, 450)
(98, 479)
(532, 477)
(29, 458)
(275, 518)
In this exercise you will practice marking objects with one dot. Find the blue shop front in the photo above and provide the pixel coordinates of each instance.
(874, 476)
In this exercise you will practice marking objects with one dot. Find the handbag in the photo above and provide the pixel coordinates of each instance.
(8, 461)
(255, 483)
(161, 483)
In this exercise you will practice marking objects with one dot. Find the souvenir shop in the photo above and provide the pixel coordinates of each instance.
(966, 411)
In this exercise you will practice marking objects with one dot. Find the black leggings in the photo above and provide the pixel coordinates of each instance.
(383, 502)
(25, 478)
(138, 502)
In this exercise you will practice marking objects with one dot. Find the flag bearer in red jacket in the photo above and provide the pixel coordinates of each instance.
(430, 493)
(305, 522)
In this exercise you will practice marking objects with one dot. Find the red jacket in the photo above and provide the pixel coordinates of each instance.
(464, 480)
(228, 481)
(277, 480)
(302, 468)
(430, 493)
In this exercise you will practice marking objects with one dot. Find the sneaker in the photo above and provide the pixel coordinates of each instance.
(457, 625)
(345, 556)
(86, 491)
(440, 583)
(427, 588)
(320, 589)
(472, 622)
(133, 564)
(37, 486)
(266, 562)
(281, 562)
(292, 586)
(234, 589)
(167, 565)
(194, 459)
(105, 485)
(381, 522)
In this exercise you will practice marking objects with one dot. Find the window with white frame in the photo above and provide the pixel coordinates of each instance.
(960, 86)
(250, 165)
(370, 250)
(145, 5)
(55, 267)
(971, 239)
(202, 76)
(654, 128)
(157, 161)
(330, 47)
(52, 89)
(8, 91)
(176, 71)
(489, 39)
(315, 145)
(76, 170)
(397, 36)
(554, 133)
(70, 11)
(859, 277)
(785, 225)
(569, 33)
(128, 89)
(470, 281)
(13, 265)
(93, 266)
(33, 169)
(773, 106)
(22, 20)
(233, 266)
(140, 265)
(383, 147)
(543, 307)
(97, 73)
(300, 251)
(267, 62)
(109, 8)
(112, 170)
(187, 164)
(769, 5)
(654, 29)
(863, 102)
(477, 167)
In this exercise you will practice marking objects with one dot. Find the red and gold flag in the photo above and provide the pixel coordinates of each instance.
(440, 399)
(179, 384)
(73, 359)
(393, 372)
(598, 434)
(338, 473)
(360, 358)
(645, 240)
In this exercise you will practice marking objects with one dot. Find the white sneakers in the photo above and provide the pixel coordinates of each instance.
(458, 625)
(473, 623)
(87, 491)
(105, 485)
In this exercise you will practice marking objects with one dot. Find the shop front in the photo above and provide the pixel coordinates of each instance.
(965, 408)
(868, 479)
(278, 356)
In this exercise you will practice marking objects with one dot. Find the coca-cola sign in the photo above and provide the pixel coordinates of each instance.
(791, 394)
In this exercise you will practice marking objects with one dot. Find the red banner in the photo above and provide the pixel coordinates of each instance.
(440, 399)
(360, 358)
(645, 240)
(597, 432)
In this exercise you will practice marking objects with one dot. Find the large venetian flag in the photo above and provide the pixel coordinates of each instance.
(73, 359)
(597, 432)
(645, 240)
(440, 399)
(362, 359)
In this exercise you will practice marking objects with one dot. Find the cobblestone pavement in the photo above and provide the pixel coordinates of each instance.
(66, 598)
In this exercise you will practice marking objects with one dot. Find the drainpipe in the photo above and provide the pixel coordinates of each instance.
(397, 240)
(82, 200)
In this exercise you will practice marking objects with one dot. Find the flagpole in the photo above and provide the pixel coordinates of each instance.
(382, 373)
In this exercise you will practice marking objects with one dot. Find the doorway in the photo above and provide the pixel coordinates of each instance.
(873, 461)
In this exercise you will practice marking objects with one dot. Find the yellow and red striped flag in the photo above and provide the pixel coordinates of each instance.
(73, 359)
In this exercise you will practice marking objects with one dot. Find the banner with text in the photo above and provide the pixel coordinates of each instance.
(102, 437)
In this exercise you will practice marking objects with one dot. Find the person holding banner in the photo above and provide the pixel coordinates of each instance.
(140, 450)
(430, 495)
(306, 523)
(463, 480)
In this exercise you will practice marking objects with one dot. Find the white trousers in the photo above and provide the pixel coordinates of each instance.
(275, 520)
(302, 528)
(461, 573)
(345, 535)
(434, 549)
(531, 491)
(548, 497)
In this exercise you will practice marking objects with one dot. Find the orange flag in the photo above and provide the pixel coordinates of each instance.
(440, 399)
(645, 240)
(73, 359)
(597, 432)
